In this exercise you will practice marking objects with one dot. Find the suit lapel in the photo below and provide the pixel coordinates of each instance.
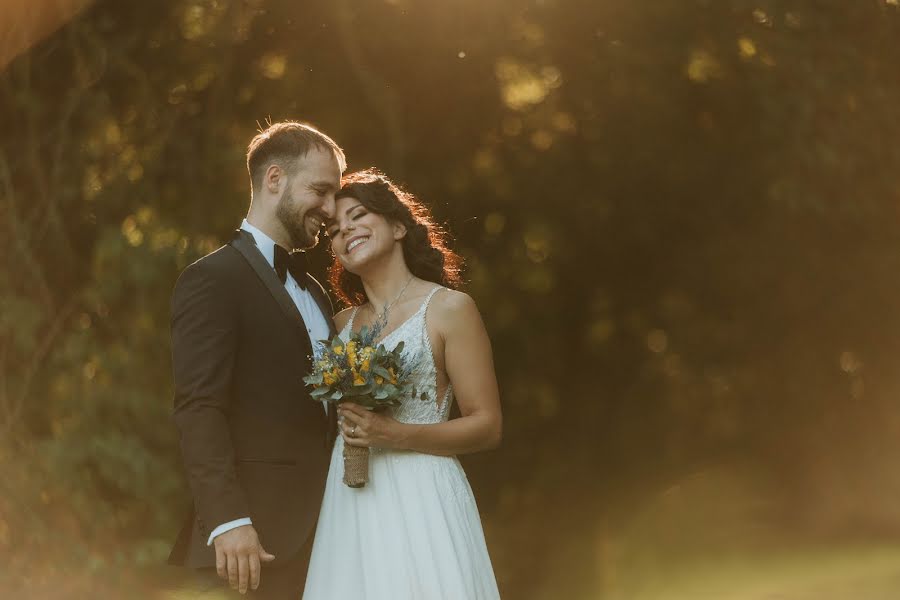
(243, 243)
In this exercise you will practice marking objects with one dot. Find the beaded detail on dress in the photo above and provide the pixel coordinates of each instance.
(417, 353)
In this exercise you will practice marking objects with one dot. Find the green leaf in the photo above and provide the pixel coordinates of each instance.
(365, 401)
(319, 392)
(314, 379)
(359, 390)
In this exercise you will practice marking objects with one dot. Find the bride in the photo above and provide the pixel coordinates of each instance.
(413, 532)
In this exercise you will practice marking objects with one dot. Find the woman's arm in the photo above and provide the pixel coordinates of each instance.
(470, 368)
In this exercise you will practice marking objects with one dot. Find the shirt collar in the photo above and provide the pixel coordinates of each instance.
(265, 244)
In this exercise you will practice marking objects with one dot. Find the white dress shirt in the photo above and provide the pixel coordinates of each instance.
(316, 327)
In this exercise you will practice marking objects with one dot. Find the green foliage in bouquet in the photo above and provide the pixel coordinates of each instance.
(360, 371)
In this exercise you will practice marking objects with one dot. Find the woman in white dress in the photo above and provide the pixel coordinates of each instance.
(413, 532)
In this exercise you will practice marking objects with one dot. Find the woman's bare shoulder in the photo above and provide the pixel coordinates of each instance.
(452, 308)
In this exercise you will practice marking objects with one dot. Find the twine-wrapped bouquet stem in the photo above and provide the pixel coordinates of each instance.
(357, 370)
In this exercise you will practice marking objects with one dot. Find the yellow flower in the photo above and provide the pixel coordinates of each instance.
(351, 352)
(365, 366)
(393, 375)
(339, 350)
(379, 380)
(358, 380)
(328, 378)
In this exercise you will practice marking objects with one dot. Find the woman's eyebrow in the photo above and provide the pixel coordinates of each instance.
(330, 222)
(357, 205)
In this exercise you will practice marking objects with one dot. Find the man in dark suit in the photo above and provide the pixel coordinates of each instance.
(245, 320)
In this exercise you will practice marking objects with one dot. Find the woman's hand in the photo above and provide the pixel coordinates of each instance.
(363, 427)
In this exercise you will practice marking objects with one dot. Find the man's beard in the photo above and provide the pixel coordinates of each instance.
(294, 222)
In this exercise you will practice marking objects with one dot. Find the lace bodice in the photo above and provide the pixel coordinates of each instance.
(417, 353)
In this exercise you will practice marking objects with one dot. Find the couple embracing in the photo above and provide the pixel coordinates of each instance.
(271, 515)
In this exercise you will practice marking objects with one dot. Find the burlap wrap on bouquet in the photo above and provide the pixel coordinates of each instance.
(356, 466)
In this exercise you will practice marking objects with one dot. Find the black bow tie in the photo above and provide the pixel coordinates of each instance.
(295, 262)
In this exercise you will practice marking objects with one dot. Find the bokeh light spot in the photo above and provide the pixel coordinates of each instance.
(522, 85)
(849, 362)
(657, 341)
(761, 17)
(702, 66)
(563, 121)
(273, 66)
(541, 139)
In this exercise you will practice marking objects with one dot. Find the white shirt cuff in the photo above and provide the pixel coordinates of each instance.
(227, 527)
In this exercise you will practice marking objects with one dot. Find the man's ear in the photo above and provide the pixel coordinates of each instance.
(273, 178)
(399, 231)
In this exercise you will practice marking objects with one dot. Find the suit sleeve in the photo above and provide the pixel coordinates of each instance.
(204, 338)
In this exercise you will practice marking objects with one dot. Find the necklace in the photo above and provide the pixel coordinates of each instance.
(381, 322)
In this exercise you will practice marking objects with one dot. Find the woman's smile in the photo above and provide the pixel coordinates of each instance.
(355, 242)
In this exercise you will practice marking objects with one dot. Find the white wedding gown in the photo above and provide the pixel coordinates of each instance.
(413, 532)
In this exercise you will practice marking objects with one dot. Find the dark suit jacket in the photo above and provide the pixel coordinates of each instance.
(253, 441)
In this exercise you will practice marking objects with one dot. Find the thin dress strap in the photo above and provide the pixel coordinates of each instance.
(349, 325)
(429, 297)
(443, 404)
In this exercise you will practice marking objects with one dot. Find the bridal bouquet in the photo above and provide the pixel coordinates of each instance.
(359, 371)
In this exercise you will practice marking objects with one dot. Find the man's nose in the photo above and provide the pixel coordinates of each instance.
(328, 206)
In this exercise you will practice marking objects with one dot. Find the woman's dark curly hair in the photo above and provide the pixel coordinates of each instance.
(425, 245)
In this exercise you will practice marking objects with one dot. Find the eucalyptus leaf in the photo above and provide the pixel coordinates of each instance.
(319, 392)
(314, 378)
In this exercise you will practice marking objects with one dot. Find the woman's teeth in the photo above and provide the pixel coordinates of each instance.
(356, 243)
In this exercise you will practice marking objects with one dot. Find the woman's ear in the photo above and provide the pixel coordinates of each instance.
(399, 231)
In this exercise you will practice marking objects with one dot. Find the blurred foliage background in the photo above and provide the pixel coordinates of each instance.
(681, 221)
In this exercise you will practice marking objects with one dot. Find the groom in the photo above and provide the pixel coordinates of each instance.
(245, 320)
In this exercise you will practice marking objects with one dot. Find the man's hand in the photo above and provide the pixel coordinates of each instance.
(238, 557)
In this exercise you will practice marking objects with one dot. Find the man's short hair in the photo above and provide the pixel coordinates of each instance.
(284, 143)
